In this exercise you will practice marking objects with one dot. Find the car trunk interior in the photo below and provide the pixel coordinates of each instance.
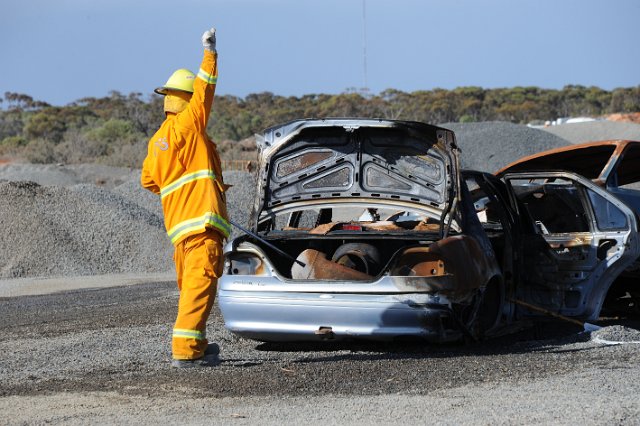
(342, 256)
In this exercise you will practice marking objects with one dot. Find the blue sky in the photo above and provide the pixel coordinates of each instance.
(60, 51)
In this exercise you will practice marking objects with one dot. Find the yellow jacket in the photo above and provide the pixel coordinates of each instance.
(183, 166)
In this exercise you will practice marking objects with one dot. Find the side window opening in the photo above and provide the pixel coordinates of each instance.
(627, 172)
(608, 216)
(556, 206)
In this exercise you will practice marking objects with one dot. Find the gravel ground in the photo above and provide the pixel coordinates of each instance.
(595, 131)
(103, 356)
(489, 146)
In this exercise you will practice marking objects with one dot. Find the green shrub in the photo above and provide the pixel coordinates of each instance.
(109, 138)
(14, 142)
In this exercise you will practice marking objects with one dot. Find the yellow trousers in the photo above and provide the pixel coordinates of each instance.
(198, 261)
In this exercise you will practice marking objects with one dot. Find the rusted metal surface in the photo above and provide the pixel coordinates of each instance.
(466, 261)
(363, 257)
(594, 160)
(455, 266)
(261, 268)
(325, 333)
(318, 267)
(382, 226)
(324, 229)
(442, 285)
(420, 261)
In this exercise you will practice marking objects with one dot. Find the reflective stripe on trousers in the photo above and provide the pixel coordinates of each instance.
(198, 261)
(193, 334)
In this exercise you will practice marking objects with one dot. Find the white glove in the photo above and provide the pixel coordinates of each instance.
(209, 40)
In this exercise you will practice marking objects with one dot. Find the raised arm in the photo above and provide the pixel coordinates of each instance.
(196, 115)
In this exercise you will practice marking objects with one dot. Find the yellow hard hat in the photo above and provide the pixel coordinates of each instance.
(181, 80)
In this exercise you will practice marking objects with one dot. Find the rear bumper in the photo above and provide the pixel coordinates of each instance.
(292, 316)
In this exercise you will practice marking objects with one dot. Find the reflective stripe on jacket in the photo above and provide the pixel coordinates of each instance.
(183, 166)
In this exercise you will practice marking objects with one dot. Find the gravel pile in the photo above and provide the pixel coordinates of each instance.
(240, 197)
(80, 230)
(134, 193)
(595, 131)
(616, 333)
(488, 146)
(63, 227)
(67, 175)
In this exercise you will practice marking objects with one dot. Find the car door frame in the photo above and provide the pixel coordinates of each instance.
(598, 283)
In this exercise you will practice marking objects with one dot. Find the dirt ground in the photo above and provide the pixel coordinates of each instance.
(99, 352)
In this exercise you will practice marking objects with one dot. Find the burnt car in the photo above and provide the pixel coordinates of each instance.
(363, 230)
(613, 165)
(368, 229)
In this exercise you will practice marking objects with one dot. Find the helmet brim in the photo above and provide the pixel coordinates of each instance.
(164, 90)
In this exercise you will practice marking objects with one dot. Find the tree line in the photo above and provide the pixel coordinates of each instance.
(114, 129)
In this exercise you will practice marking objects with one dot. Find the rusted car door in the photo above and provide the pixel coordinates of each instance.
(583, 238)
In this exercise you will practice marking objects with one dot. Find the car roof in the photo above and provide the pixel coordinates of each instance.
(593, 160)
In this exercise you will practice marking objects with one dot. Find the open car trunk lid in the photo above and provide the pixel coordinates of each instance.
(338, 159)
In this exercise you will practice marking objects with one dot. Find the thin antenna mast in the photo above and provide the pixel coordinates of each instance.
(364, 45)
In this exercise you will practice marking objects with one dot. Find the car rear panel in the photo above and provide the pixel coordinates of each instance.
(262, 309)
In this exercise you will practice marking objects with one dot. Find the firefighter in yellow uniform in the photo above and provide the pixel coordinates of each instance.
(183, 167)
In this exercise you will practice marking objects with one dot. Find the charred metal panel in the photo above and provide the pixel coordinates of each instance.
(360, 168)
(343, 158)
(340, 178)
(376, 178)
(295, 163)
(443, 285)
